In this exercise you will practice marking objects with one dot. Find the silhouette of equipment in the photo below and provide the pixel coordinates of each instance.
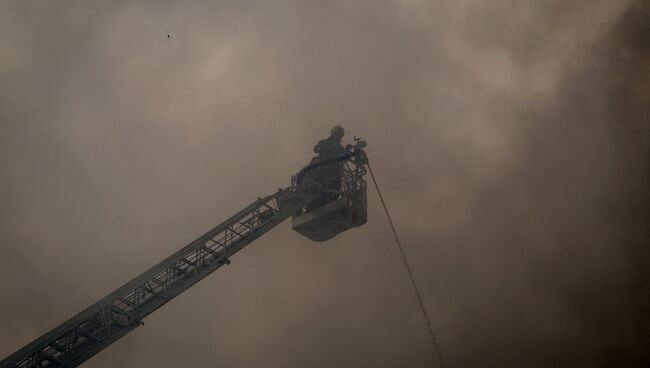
(317, 211)
(325, 198)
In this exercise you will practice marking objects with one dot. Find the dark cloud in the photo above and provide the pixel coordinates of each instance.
(510, 138)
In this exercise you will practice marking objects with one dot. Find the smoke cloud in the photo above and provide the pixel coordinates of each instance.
(511, 140)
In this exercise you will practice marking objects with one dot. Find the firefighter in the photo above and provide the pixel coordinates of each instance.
(331, 147)
(330, 174)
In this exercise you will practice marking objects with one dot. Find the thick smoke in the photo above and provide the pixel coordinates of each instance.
(511, 139)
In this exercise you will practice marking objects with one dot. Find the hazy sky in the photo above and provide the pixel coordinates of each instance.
(511, 140)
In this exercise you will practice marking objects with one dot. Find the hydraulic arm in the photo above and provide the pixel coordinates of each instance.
(101, 324)
(90, 331)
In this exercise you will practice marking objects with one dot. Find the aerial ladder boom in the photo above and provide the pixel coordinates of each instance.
(342, 205)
